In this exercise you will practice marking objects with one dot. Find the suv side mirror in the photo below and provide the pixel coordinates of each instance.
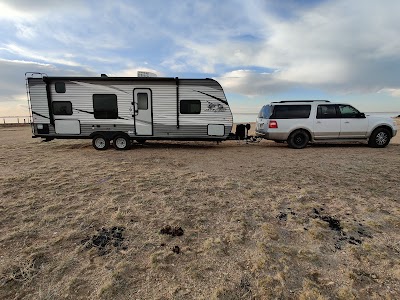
(361, 115)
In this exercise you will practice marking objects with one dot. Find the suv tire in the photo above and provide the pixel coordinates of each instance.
(379, 138)
(298, 139)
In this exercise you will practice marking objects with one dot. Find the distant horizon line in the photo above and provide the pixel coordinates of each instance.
(375, 112)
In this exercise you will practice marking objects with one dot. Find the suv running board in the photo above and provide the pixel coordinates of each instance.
(339, 140)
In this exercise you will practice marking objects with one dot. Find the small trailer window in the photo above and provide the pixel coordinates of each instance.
(142, 101)
(60, 87)
(62, 108)
(105, 106)
(190, 106)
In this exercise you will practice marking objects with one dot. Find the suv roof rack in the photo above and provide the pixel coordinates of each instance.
(290, 101)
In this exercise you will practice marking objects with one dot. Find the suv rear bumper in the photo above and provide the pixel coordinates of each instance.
(278, 136)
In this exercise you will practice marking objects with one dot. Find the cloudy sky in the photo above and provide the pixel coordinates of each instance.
(260, 51)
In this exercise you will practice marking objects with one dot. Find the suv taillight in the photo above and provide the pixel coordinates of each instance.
(273, 124)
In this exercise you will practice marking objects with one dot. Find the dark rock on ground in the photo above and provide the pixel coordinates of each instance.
(173, 231)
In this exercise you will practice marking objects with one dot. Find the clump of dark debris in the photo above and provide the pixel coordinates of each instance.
(105, 239)
(282, 216)
(173, 231)
(335, 225)
(176, 249)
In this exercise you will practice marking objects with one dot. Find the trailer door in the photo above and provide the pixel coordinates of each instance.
(143, 111)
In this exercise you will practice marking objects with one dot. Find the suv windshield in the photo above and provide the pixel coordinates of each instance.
(265, 112)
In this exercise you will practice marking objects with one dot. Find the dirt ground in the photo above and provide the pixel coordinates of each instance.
(197, 220)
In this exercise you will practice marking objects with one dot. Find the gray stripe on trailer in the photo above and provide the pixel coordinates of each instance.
(189, 131)
(160, 130)
(88, 129)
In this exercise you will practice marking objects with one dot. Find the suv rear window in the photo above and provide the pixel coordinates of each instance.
(291, 112)
(265, 112)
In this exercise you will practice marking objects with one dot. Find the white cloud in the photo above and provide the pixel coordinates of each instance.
(392, 92)
(206, 57)
(31, 54)
(251, 83)
(340, 46)
(27, 10)
(132, 72)
(338, 43)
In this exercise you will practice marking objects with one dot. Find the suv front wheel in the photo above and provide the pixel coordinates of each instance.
(298, 139)
(379, 138)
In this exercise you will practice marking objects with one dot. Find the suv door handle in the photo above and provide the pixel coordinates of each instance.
(318, 122)
(347, 122)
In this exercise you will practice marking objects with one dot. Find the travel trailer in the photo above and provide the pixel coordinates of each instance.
(119, 110)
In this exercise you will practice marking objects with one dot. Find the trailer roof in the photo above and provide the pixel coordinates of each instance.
(51, 78)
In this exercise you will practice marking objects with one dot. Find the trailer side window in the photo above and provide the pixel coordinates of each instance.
(105, 106)
(60, 87)
(143, 103)
(62, 108)
(190, 106)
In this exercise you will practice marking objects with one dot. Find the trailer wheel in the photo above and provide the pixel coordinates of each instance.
(121, 142)
(141, 141)
(100, 142)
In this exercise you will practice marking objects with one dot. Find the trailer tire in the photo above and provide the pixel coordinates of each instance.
(100, 142)
(122, 142)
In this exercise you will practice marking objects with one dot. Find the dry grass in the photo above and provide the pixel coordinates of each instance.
(248, 212)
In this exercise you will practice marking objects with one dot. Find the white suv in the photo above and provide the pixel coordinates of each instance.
(301, 122)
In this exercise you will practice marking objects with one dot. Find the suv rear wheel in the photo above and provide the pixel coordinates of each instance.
(298, 139)
(379, 138)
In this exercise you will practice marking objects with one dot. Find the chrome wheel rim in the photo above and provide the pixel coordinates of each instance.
(100, 143)
(120, 143)
(381, 138)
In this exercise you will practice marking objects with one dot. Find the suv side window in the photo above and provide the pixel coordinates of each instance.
(291, 112)
(348, 111)
(327, 112)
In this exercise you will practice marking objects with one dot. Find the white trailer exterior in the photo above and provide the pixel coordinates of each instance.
(128, 108)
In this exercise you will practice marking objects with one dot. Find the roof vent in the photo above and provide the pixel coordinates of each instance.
(146, 74)
(103, 76)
